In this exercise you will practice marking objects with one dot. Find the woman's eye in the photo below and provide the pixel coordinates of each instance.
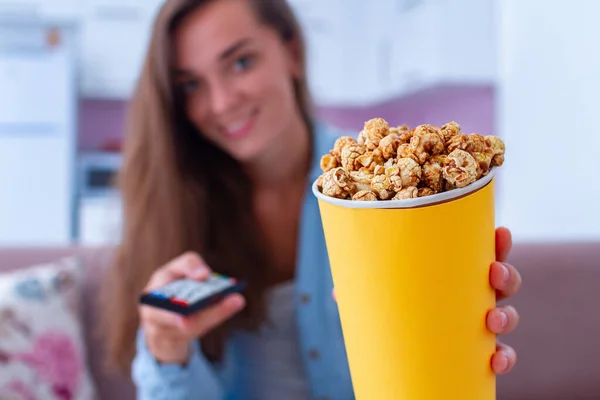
(188, 87)
(243, 64)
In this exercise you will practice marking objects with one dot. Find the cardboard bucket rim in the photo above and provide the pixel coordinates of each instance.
(408, 203)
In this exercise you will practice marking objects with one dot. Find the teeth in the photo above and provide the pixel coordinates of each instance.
(237, 126)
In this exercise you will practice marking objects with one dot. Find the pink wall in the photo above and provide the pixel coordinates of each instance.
(471, 107)
(101, 121)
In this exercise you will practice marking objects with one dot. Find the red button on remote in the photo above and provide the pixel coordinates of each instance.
(180, 302)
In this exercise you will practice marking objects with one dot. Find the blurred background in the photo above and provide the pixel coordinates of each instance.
(525, 70)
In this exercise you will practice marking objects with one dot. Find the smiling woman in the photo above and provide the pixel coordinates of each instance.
(220, 155)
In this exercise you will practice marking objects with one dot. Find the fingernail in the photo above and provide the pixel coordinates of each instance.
(505, 273)
(503, 319)
(179, 321)
(503, 363)
(200, 270)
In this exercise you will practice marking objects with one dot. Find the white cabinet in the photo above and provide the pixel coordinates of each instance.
(37, 134)
(366, 52)
(63, 10)
(114, 39)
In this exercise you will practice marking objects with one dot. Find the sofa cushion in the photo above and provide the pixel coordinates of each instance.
(42, 347)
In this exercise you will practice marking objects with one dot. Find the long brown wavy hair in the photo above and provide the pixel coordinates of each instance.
(181, 193)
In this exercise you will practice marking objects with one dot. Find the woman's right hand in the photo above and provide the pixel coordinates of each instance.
(168, 335)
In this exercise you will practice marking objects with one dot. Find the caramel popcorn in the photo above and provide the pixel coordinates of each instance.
(410, 172)
(449, 130)
(459, 141)
(379, 170)
(329, 162)
(410, 192)
(374, 130)
(406, 151)
(339, 145)
(350, 155)
(362, 179)
(432, 175)
(337, 183)
(397, 163)
(476, 143)
(484, 160)
(388, 145)
(364, 195)
(371, 159)
(427, 141)
(403, 132)
(389, 163)
(399, 129)
(394, 176)
(496, 147)
(425, 191)
(461, 169)
(381, 185)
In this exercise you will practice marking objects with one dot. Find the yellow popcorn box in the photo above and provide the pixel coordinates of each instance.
(412, 285)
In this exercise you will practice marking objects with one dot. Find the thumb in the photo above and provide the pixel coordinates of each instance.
(201, 323)
(189, 265)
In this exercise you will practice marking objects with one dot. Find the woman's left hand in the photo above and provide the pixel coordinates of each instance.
(506, 280)
(502, 320)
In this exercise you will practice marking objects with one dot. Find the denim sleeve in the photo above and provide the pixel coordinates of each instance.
(198, 380)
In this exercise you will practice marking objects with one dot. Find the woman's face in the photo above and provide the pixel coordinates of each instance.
(236, 75)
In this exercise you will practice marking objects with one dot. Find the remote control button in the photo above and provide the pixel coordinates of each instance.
(180, 302)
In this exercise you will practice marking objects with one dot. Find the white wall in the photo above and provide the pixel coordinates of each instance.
(548, 115)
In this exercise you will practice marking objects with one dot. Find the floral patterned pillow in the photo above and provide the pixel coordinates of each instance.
(42, 351)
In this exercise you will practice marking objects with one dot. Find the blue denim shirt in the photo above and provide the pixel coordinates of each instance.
(320, 333)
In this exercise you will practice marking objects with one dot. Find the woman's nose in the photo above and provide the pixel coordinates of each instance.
(222, 98)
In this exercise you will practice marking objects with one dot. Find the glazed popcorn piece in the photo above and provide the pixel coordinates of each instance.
(362, 179)
(374, 130)
(371, 159)
(390, 163)
(449, 130)
(394, 176)
(476, 143)
(350, 155)
(403, 132)
(337, 183)
(427, 141)
(320, 182)
(410, 192)
(425, 191)
(399, 129)
(339, 145)
(432, 175)
(389, 145)
(484, 160)
(410, 172)
(457, 142)
(461, 169)
(364, 195)
(495, 146)
(379, 170)
(329, 162)
(381, 185)
(406, 151)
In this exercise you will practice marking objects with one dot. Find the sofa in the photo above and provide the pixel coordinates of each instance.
(557, 341)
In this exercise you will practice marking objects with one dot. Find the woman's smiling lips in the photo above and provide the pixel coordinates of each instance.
(239, 129)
